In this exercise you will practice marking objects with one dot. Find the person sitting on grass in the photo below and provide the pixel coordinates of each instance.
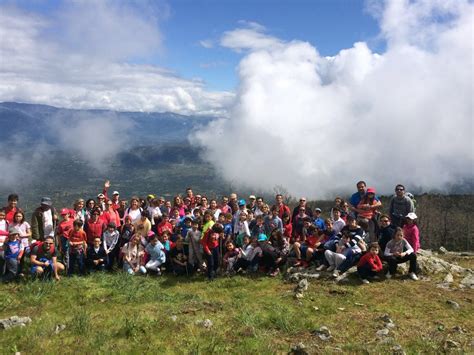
(12, 253)
(157, 255)
(305, 247)
(96, 256)
(179, 260)
(249, 257)
(399, 251)
(230, 257)
(44, 261)
(77, 248)
(133, 255)
(369, 264)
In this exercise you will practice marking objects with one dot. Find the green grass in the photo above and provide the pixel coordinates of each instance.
(106, 313)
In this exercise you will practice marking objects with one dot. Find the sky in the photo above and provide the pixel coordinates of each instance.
(179, 39)
(310, 96)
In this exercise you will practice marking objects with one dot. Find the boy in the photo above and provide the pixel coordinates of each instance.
(110, 243)
(179, 260)
(77, 247)
(12, 253)
(194, 247)
(96, 256)
(370, 264)
(62, 235)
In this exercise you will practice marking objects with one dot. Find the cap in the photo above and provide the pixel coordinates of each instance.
(318, 210)
(46, 201)
(101, 196)
(252, 197)
(150, 196)
(115, 193)
(262, 237)
(14, 230)
(65, 211)
(411, 215)
(371, 190)
(241, 202)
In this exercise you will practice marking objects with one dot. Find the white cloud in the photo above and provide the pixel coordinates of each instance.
(316, 125)
(207, 43)
(83, 58)
(252, 36)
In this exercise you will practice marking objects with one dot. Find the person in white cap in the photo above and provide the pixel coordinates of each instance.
(411, 231)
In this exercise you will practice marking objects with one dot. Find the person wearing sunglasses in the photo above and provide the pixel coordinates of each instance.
(400, 206)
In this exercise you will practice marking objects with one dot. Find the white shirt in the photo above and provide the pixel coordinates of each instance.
(48, 223)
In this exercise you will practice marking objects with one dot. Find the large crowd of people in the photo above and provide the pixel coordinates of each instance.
(192, 234)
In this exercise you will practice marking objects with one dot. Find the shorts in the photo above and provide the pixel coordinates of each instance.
(48, 268)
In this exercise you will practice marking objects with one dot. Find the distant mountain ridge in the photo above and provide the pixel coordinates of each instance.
(32, 122)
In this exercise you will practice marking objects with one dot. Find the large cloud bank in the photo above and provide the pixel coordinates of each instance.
(316, 125)
(89, 54)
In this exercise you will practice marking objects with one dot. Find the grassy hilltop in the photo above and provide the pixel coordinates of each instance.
(106, 313)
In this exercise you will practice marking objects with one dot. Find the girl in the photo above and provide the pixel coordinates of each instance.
(242, 229)
(12, 254)
(398, 251)
(80, 212)
(411, 231)
(230, 257)
(143, 225)
(275, 253)
(132, 256)
(90, 205)
(249, 257)
(287, 226)
(24, 228)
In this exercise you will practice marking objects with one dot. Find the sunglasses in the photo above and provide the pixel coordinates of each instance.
(384, 220)
(399, 189)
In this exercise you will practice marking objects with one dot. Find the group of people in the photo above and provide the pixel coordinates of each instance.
(192, 234)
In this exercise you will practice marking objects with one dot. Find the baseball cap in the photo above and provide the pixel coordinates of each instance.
(241, 202)
(101, 196)
(115, 193)
(46, 201)
(371, 190)
(252, 197)
(14, 230)
(411, 215)
(65, 211)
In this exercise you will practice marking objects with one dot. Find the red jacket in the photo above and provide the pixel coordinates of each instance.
(210, 241)
(373, 260)
(284, 209)
(94, 230)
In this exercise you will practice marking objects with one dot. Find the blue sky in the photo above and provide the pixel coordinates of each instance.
(329, 25)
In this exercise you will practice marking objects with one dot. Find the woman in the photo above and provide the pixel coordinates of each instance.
(179, 205)
(134, 211)
(79, 210)
(90, 205)
(111, 215)
(214, 210)
(368, 209)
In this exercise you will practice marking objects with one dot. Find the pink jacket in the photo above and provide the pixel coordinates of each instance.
(412, 235)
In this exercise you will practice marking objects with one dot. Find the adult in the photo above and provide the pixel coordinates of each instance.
(179, 205)
(400, 206)
(252, 205)
(79, 210)
(302, 204)
(357, 196)
(44, 220)
(190, 196)
(111, 214)
(101, 200)
(134, 211)
(44, 259)
(282, 208)
(11, 208)
(386, 232)
(225, 207)
(259, 208)
(214, 209)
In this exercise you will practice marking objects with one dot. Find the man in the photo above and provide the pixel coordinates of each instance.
(190, 195)
(44, 259)
(252, 206)
(43, 221)
(282, 208)
(357, 196)
(101, 201)
(116, 200)
(302, 204)
(11, 208)
(400, 206)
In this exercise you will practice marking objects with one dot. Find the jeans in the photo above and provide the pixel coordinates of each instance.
(76, 257)
(393, 261)
(365, 272)
(212, 263)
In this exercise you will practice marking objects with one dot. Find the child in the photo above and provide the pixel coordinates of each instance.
(398, 251)
(12, 254)
(25, 234)
(242, 229)
(96, 256)
(126, 231)
(230, 257)
(208, 222)
(132, 256)
(228, 232)
(194, 247)
(77, 247)
(164, 225)
(346, 248)
(337, 222)
(143, 225)
(3, 234)
(287, 226)
(307, 246)
(157, 255)
(370, 264)
(210, 244)
(411, 232)
(249, 257)
(179, 260)
(62, 235)
(110, 243)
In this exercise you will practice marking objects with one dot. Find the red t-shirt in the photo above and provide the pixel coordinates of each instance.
(77, 236)
(64, 227)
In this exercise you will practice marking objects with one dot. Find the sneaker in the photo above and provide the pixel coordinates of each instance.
(365, 281)
(331, 268)
(388, 275)
(321, 267)
(275, 273)
(413, 276)
(335, 274)
(158, 272)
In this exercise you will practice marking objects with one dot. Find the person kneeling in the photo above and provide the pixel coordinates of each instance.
(370, 264)
(157, 255)
(96, 256)
(133, 255)
(43, 259)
